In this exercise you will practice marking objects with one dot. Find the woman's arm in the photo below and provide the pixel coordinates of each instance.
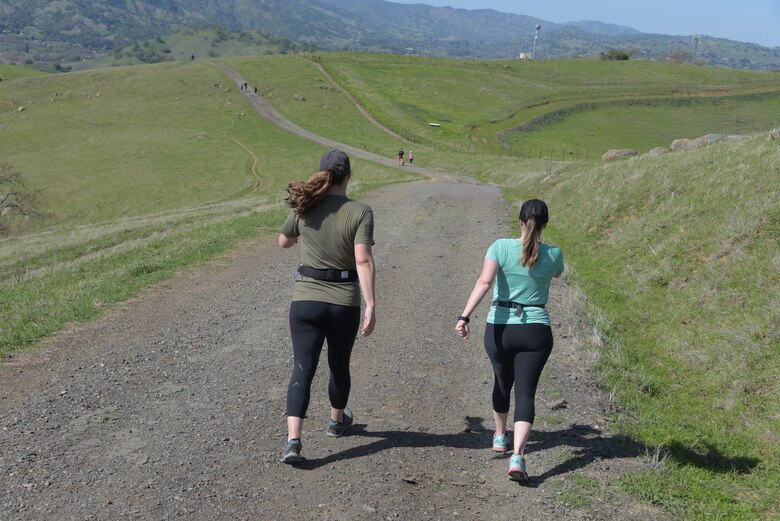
(364, 260)
(286, 242)
(484, 282)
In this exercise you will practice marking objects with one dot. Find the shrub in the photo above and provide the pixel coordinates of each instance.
(615, 55)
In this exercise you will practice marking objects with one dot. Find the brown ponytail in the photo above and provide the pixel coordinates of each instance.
(533, 235)
(305, 195)
(534, 215)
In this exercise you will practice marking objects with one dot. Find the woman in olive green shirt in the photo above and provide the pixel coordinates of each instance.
(335, 235)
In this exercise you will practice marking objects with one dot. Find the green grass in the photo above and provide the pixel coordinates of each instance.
(47, 299)
(110, 144)
(14, 72)
(301, 92)
(481, 102)
(128, 161)
(595, 127)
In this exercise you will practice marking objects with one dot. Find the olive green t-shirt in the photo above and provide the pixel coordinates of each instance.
(327, 237)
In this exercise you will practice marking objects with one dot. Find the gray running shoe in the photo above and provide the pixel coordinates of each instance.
(337, 429)
(292, 451)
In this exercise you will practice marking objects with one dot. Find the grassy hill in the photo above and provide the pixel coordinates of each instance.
(141, 171)
(557, 108)
(146, 170)
(13, 72)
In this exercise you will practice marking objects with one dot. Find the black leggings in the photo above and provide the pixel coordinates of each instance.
(311, 323)
(518, 353)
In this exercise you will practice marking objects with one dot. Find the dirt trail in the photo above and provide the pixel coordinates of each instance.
(172, 405)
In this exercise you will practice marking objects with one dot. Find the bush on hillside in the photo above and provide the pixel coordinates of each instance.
(616, 54)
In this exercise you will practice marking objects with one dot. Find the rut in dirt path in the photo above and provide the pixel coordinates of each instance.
(172, 404)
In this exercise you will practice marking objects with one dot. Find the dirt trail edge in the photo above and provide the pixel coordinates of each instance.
(172, 404)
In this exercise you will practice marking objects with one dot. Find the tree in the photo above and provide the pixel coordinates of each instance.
(15, 200)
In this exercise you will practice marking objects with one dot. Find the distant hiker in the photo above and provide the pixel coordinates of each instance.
(411, 158)
(518, 336)
(337, 265)
(401, 157)
(255, 90)
(192, 57)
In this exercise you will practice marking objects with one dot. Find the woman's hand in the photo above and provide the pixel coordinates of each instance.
(369, 322)
(462, 329)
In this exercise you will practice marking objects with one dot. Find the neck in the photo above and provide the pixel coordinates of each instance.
(338, 189)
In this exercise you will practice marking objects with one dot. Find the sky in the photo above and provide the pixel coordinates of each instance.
(755, 21)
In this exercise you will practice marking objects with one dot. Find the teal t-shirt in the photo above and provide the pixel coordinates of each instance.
(517, 283)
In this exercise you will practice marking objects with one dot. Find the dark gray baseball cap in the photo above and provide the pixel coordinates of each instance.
(337, 162)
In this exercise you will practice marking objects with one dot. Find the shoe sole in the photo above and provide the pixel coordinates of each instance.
(291, 458)
(519, 476)
(500, 450)
(338, 435)
(345, 429)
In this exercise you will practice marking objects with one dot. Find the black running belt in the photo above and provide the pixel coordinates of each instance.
(328, 275)
(515, 305)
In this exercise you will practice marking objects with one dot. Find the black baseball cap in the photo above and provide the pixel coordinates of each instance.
(337, 162)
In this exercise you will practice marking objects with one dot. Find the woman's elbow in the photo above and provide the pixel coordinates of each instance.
(363, 255)
(484, 283)
(365, 261)
(285, 241)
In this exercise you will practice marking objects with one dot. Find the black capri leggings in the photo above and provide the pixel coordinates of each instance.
(518, 353)
(311, 323)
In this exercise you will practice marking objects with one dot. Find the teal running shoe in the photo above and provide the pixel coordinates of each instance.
(517, 471)
(499, 443)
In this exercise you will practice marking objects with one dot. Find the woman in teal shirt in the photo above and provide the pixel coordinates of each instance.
(518, 336)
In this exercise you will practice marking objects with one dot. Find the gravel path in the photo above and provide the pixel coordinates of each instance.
(172, 404)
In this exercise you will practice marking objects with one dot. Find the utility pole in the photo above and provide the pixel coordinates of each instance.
(536, 35)
(695, 41)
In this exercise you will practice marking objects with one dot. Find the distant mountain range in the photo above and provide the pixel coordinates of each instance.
(43, 31)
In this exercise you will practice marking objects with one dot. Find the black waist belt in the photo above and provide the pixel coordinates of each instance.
(329, 275)
(515, 305)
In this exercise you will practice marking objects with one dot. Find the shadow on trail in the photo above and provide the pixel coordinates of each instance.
(586, 444)
(469, 438)
(709, 458)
